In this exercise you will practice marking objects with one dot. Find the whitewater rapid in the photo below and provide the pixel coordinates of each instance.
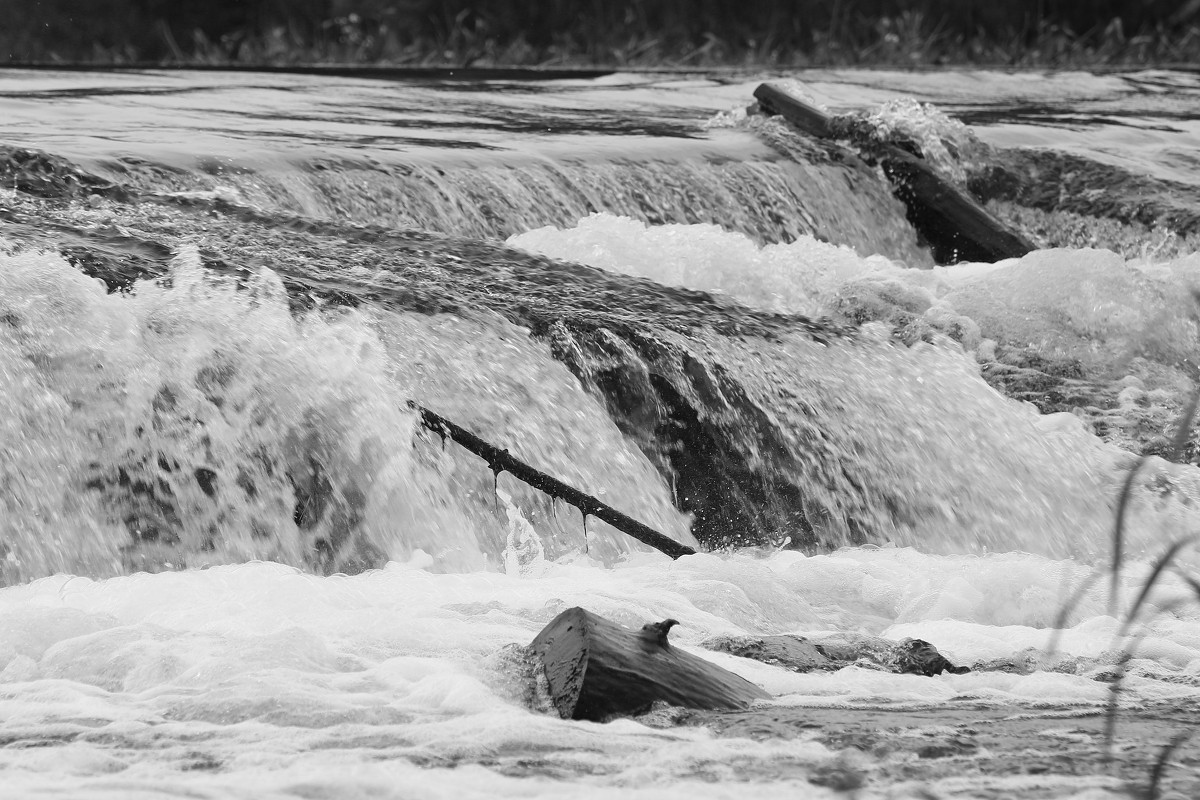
(260, 681)
(190, 466)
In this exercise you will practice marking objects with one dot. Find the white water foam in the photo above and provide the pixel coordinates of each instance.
(260, 681)
(977, 469)
(193, 422)
(1087, 304)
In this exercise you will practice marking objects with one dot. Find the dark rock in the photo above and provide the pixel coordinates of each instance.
(1056, 181)
(857, 648)
(919, 657)
(44, 175)
(790, 652)
(800, 654)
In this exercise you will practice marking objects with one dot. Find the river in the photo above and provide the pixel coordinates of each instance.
(233, 564)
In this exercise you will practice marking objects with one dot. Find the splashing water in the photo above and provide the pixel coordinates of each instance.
(258, 681)
(946, 144)
(199, 403)
(195, 425)
(915, 430)
(192, 423)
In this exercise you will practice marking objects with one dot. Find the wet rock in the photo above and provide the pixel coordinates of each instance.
(733, 466)
(1056, 181)
(45, 175)
(800, 654)
(790, 652)
(856, 648)
(1031, 660)
(919, 657)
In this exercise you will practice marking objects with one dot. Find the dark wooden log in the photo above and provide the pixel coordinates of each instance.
(775, 101)
(503, 461)
(598, 669)
(955, 226)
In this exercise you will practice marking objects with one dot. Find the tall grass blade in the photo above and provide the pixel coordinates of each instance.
(1118, 686)
(1160, 766)
(1068, 608)
(1118, 535)
(1190, 581)
(1183, 431)
(1164, 561)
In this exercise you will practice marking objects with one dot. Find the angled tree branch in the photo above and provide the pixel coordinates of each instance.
(503, 461)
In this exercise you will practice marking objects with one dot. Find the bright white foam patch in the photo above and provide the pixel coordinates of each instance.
(798, 278)
(1090, 305)
(921, 415)
(257, 680)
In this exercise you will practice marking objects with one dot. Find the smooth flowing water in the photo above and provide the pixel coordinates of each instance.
(234, 564)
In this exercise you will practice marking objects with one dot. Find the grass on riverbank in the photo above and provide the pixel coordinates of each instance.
(660, 34)
(907, 41)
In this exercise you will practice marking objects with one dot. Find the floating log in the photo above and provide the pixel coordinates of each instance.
(503, 461)
(955, 226)
(597, 669)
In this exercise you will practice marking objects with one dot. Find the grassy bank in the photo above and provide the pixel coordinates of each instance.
(619, 33)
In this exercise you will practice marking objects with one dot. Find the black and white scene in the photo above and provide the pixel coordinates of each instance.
(600, 399)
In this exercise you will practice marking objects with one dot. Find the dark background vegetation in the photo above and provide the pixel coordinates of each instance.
(602, 32)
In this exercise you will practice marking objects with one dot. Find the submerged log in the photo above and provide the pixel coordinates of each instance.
(955, 226)
(503, 461)
(598, 669)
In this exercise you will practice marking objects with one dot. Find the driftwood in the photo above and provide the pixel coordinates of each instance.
(955, 226)
(597, 669)
(503, 461)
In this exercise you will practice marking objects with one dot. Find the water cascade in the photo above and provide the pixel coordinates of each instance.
(231, 561)
(777, 191)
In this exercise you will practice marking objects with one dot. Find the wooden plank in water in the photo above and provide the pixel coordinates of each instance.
(955, 226)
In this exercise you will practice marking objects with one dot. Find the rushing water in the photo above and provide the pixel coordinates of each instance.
(234, 564)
